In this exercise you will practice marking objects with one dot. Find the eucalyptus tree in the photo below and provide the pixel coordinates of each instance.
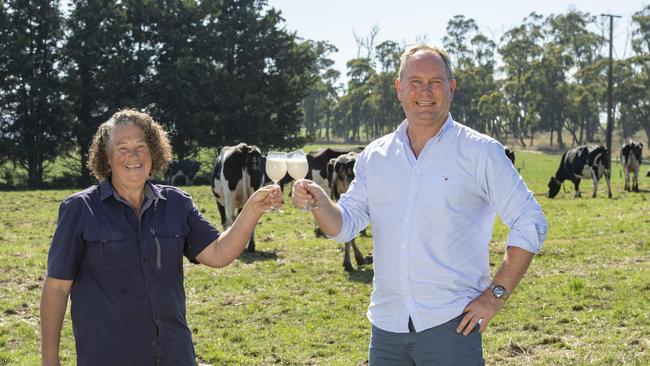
(582, 112)
(472, 55)
(581, 48)
(359, 90)
(521, 48)
(383, 104)
(493, 110)
(637, 87)
(631, 96)
(321, 100)
(548, 91)
(32, 114)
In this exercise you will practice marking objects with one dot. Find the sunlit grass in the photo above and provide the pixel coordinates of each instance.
(584, 301)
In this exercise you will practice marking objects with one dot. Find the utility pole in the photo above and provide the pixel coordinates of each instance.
(610, 80)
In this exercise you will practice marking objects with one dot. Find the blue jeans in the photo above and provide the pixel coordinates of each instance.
(439, 346)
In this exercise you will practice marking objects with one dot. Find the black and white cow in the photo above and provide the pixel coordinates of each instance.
(340, 173)
(318, 161)
(631, 162)
(510, 154)
(237, 173)
(182, 172)
(581, 162)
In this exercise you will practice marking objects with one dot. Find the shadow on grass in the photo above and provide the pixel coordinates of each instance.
(248, 257)
(362, 274)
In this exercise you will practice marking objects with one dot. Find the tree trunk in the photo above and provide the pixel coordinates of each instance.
(84, 179)
(327, 128)
(559, 135)
(35, 170)
(582, 132)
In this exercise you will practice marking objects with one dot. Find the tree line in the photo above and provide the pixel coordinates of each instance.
(217, 72)
(552, 78)
(214, 72)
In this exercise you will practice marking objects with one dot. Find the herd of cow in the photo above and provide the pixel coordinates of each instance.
(239, 171)
(590, 162)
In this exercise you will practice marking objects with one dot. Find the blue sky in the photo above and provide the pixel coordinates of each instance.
(407, 20)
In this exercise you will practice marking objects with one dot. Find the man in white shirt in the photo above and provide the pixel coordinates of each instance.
(431, 191)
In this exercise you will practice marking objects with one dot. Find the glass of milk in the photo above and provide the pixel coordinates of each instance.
(276, 168)
(298, 167)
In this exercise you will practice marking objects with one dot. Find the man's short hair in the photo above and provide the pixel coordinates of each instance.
(410, 51)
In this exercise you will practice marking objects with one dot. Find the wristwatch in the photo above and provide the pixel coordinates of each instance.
(499, 291)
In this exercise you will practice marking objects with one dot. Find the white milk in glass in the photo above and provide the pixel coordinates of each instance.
(297, 168)
(276, 168)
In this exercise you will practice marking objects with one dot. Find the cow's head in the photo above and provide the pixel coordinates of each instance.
(344, 168)
(637, 148)
(510, 154)
(599, 156)
(553, 187)
(254, 165)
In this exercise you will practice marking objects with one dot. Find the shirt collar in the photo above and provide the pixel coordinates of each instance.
(403, 127)
(151, 191)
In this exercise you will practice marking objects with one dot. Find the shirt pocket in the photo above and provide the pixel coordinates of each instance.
(169, 241)
(440, 190)
(109, 247)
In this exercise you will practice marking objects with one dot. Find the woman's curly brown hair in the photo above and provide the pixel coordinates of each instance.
(157, 140)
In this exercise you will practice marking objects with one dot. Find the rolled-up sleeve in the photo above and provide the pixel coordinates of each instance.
(514, 202)
(354, 204)
(202, 233)
(67, 248)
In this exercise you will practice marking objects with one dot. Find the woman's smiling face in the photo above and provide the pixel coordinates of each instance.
(129, 157)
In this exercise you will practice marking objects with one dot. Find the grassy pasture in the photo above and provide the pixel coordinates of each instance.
(585, 300)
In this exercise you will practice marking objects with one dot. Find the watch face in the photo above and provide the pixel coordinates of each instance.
(498, 291)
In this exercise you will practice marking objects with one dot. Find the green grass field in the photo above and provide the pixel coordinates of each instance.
(584, 301)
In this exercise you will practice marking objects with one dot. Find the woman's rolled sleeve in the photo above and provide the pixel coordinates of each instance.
(66, 250)
(202, 233)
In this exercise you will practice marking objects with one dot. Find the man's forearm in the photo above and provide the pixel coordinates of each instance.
(514, 266)
(329, 217)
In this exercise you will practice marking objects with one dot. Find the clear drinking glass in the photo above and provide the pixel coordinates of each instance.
(276, 168)
(298, 168)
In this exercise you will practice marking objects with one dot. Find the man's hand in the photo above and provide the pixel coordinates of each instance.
(306, 193)
(480, 311)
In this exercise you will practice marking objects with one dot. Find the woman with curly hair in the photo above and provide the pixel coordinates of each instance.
(118, 249)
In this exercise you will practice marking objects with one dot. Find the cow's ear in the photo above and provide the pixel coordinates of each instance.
(641, 144)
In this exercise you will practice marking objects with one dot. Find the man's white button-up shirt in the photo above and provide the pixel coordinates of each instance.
(432, 220)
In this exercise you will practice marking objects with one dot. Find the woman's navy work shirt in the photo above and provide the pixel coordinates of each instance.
(128, 300)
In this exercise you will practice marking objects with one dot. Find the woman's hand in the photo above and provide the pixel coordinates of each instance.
(264, 198)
